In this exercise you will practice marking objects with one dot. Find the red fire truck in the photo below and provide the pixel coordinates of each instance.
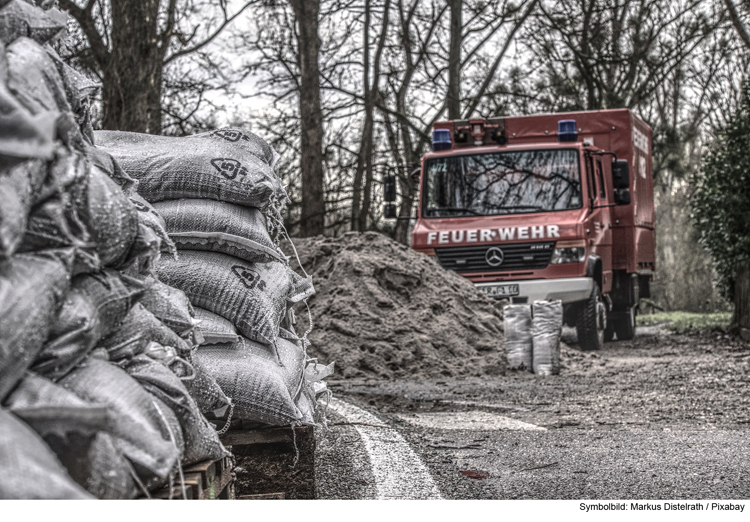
(551, 206)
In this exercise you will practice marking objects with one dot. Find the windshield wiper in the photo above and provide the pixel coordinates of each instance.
(453, 209)
(521, 207)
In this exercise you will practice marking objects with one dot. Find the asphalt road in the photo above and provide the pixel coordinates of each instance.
(662, 417)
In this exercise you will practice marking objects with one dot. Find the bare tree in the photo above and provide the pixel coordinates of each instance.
(128, 44)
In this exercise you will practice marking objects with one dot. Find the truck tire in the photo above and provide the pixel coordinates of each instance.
(623, 324)
(591, 321)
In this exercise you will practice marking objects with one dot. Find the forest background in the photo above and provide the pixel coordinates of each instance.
(346, 89)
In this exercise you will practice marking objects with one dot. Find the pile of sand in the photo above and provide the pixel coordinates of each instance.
(384, 311)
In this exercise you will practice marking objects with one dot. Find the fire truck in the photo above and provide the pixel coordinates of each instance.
(549, 206)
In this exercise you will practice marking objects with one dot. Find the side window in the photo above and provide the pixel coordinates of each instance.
(590, 177)
(600, 175)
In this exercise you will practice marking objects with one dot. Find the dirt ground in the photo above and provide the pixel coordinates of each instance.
(664, 416)
(694, 379)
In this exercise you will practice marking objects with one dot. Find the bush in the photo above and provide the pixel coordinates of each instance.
(721, 200)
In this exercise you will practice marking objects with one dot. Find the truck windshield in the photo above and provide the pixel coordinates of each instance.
(504, 182)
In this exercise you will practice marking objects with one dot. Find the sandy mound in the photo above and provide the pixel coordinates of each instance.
(384, 311)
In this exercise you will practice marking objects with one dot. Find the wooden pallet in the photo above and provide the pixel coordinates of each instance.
(204, 481)
(273, 462)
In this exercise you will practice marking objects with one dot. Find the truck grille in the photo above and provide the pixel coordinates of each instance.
(518, 256)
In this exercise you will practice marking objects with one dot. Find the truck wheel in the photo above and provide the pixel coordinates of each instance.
(623, 324)
(591, 321)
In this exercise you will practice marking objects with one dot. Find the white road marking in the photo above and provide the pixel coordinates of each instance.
(398, 471)
(468, 420)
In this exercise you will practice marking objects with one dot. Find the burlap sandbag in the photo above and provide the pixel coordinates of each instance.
(204, 224)
(19, 18)
(170, 305)
(30, 468)
(150, 217)
(77, 432)
(32, 291)
(34, 79)
(518, 340)
(262, 386)
(214, 328)
(204, 389)
(18, 188)
(244, 139)
(174, 168)
(201, 441)
(546, 331)
(139, 428)
(94, 308)
(139, 328)
(253, 296)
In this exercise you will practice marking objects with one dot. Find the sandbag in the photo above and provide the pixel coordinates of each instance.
(22, 135)
(546, 330)
(262, 386)
(148, 216)
(34, 79)
(243, 138)
(30, 468)
(170, 305)
(95, 306)
(204, 389)
(18, 188)
(253, 296)
(174, 168)
(138, 426)
(204, 224)
(139, 328)
(32, 290)
(77, 432)
(19, 18)
(214, 328)
(201, 441)
(518, 340)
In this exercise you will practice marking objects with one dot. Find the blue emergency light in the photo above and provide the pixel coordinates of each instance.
(441, 139)
(567, 131)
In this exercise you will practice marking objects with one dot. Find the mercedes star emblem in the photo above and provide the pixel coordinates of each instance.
(494, 256)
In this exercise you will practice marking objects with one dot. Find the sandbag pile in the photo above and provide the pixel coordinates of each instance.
(221, 203)
(99, 392)
(532, 336)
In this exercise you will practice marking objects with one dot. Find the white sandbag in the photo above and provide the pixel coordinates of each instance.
(262, 386)
(197, 167)
(546, 331)
(204, 224)
(518, 340)
(253, 296)
(214, 328)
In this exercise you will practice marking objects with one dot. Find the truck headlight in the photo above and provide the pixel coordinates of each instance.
(569, 252)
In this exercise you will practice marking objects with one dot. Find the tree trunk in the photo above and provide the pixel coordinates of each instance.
(131, 84)
(365, 146)
(454, 61)
(311, 117)
(742, 300)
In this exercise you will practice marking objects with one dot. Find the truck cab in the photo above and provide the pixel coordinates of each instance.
(556, 206)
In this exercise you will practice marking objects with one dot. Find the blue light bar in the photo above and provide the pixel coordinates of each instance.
(567, 131)
(441, 139)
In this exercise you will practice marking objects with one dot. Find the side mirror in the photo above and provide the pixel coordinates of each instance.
(415, 174)
(622, 196)
(621, 174)
(390, 212)
(389, 188)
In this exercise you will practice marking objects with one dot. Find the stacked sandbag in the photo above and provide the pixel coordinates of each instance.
(95, 352)
(532, 336)
(546, 331)
(518, 338)
(221, 203)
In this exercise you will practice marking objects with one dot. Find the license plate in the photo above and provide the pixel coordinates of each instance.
(499, 290)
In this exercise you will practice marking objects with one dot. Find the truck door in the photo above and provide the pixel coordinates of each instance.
(598, 224)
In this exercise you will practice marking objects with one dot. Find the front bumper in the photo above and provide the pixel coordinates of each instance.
(568, 290)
